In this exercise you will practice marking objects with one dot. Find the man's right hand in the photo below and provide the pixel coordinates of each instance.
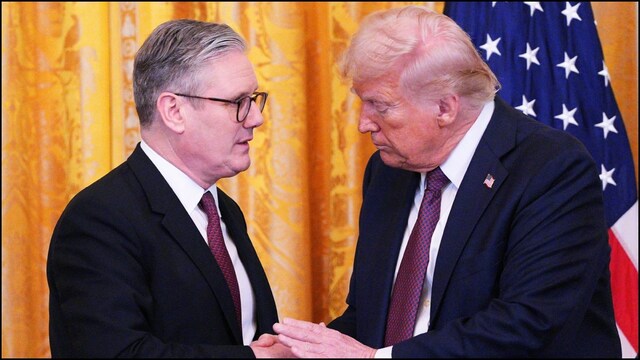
(268, 346)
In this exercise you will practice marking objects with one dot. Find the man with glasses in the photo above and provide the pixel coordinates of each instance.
(153, 260)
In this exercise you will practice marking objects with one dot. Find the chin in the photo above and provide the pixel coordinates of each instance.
(242, 165)
(391, 160)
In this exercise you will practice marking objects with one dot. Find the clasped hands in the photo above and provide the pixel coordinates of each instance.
(303, 339)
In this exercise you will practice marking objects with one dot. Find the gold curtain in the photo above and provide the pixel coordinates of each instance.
(68, 117)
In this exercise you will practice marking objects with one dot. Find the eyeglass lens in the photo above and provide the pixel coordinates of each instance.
(245, 105)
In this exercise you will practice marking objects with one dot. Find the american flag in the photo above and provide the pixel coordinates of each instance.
(488, 181)
(549, 60)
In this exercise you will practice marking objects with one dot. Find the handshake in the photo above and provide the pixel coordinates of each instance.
(303, 339)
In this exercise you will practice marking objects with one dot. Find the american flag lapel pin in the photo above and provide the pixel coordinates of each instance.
(488, 181)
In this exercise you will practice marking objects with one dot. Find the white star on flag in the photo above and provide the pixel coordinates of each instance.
(527, 106)
(530, 56)
(571, 12)
(567, 117)
(607, 125)
(605, 74)
(534, 5)
(607, 177)
(569, 65)
(491, 46)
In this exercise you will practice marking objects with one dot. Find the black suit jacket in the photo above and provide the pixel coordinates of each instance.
(523, 266)
(130, 275)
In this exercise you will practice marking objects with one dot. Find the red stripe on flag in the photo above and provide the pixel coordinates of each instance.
(624, 286)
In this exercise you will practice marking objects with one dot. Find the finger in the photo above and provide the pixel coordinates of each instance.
(288, 330)
(296, 332)
(302, 349)
(261, 343)
(315, 329)
(266, 340)
(291, 342)
(275, 327)
(300, 352)
(298, 323)
(320, 330)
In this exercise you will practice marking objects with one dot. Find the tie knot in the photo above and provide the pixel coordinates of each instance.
(208, 204)
(436, 180)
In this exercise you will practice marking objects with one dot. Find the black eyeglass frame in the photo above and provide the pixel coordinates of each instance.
(252, 98)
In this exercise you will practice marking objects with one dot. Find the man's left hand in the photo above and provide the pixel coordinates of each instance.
(309, 340)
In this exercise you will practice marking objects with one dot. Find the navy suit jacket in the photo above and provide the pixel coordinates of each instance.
(131, 276)
(523, 267)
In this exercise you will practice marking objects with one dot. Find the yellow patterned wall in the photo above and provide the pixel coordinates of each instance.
(68, 117)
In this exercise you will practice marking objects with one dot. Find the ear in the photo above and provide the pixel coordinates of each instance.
(171, 107)
(448, 109)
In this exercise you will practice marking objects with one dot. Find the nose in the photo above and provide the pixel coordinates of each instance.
(365, 124)
(254, 118)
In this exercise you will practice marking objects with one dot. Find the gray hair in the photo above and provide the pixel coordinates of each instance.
(433, 54)
(170, 57)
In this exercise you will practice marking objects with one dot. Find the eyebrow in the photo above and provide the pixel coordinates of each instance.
(370, 97)
(245, 94)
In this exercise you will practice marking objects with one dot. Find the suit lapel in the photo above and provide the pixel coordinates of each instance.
(393, 196)
(174, 221)
(473, 197)
(266, 315)
(181, 227)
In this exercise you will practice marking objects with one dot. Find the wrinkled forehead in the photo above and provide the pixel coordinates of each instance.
(232, 74)
(377, 88)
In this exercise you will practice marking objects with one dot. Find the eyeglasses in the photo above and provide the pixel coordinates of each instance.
(243, 104)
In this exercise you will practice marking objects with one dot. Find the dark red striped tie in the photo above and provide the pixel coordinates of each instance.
(219, 250)
(407, 289)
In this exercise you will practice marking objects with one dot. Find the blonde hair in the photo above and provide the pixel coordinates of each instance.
(433, 55)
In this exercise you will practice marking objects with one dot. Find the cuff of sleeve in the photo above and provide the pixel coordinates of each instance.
(384, 353)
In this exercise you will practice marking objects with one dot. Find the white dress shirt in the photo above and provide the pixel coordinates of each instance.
(454, 167)
(189, 193)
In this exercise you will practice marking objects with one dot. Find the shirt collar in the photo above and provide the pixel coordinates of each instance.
(188, 191)
(458, 161)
